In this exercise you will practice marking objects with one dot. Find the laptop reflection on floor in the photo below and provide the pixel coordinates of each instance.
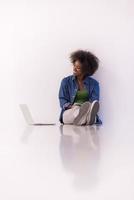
(28, 117)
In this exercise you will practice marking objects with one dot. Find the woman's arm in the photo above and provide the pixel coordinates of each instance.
(64, 97)
(95, 94)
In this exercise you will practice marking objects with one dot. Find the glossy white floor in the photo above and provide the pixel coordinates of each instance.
(66, 162)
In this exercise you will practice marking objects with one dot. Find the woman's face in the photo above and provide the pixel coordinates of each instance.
(77, 68)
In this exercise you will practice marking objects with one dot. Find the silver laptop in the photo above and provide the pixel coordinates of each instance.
(28, 117)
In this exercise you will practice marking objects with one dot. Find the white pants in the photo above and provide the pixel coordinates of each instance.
(70, 114)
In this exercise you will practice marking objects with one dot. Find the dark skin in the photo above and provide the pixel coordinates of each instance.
(79, 75)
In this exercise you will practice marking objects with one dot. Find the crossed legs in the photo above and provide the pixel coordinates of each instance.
(84, 114)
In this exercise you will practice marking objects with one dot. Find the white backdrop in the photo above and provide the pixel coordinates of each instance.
(36, 39)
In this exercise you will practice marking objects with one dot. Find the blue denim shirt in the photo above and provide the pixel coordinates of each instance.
(69, 88)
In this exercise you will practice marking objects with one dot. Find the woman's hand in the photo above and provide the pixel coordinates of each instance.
(70, 106)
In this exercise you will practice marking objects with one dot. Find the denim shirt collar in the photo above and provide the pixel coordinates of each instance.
(86, 80)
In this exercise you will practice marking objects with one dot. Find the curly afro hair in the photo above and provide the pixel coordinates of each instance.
(88, 60)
